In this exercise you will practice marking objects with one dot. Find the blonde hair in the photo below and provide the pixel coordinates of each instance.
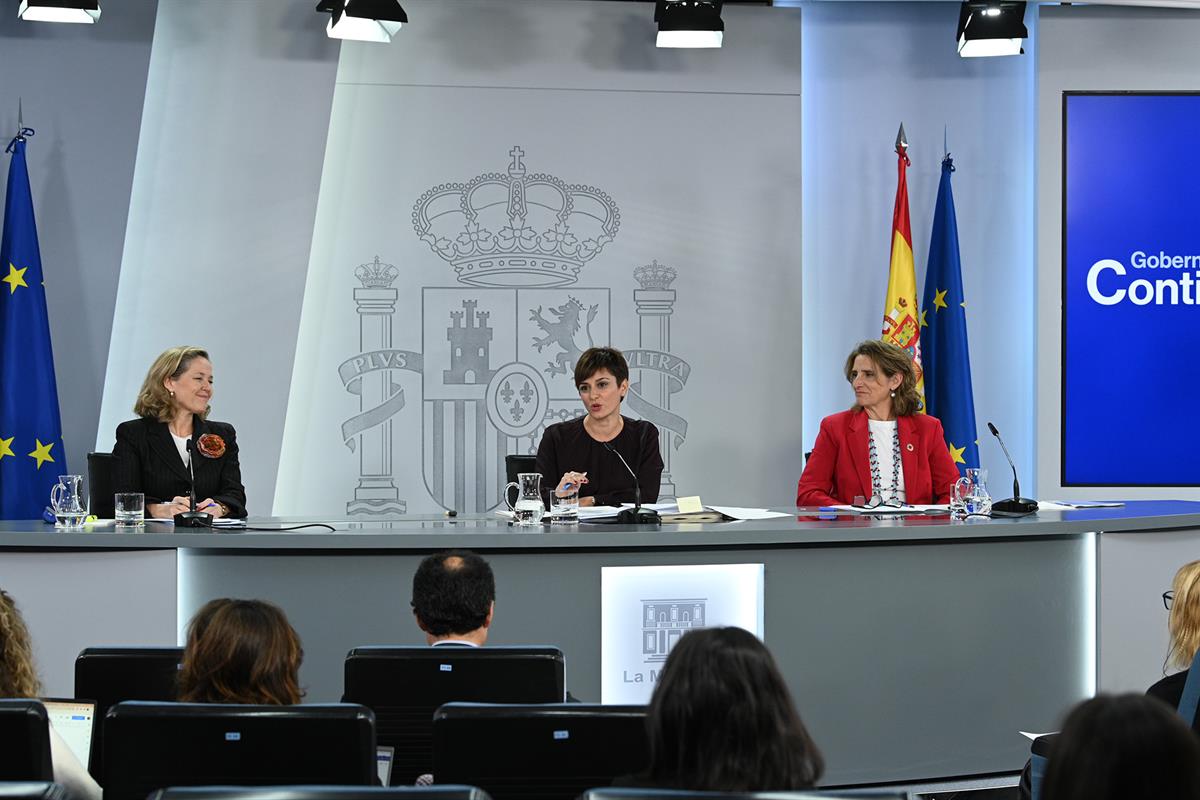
(1184, 620)
(153, 399)
(891, 360)
(18, 678)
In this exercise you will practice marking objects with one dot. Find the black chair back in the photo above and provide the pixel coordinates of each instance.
(33, 790)
(150, 746)
(111, 675)
(551, 752)
(25, 733)
(100, 485)
(405, 685)
(321, 793)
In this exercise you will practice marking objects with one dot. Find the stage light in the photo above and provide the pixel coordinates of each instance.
(689, 23)
(363, 20)
(991, 29)
(87, 11)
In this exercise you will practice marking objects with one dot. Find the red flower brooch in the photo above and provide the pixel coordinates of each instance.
(211, 445)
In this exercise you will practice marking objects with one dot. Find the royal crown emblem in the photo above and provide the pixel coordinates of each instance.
(655, 275)
(516, 229)
(376, 275)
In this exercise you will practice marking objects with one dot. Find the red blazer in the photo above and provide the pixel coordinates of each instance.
(839, 467)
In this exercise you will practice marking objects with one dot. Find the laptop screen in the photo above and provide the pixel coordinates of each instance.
(73, 720)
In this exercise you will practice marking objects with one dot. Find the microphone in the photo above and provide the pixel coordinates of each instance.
(1016, 505)
(636, 515)
(192, 518)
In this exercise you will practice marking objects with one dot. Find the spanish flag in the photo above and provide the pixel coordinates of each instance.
(901, 320)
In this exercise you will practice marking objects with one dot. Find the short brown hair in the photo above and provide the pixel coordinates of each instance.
(18, 678)
(595, 359)
(153, 399)
(241, 651)
(892, 361)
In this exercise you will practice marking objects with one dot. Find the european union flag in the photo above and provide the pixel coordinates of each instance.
(944, 341)
(31, 448)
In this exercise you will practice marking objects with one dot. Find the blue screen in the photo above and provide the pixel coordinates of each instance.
(1131, 288)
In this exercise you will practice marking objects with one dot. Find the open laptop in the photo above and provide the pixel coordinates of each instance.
(74, 721)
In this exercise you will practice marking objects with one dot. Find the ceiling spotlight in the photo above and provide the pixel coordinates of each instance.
(363, 20)
(689, 23)
(991, 29)
(59, 10)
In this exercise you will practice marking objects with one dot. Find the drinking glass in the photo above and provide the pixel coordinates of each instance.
(564, 509)
(131, 509)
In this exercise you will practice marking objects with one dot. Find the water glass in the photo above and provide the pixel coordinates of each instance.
(131, 509)
(564, 509)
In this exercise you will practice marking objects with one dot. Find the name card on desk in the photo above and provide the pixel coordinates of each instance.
(644, 611)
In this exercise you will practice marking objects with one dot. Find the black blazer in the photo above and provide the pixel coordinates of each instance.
(145, 460)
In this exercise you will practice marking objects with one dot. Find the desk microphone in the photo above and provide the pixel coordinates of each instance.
(636, 515)
(192, 518)
(1016, 504)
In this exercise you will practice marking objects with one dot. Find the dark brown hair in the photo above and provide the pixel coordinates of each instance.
(241, 651)
(722, 719)
(595, 359)
(891, 360)
(1123, 747)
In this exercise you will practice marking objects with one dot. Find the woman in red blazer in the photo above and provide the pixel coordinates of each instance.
(880, 449)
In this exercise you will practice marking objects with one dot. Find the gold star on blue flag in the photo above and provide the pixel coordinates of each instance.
(29, 417)
(946, 359)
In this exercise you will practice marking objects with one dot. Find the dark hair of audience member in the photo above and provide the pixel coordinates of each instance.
(722, 719)
(452, 592)
(241, 651)
(18, 677)
(1123, 747)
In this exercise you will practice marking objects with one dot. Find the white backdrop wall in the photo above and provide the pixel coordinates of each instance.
(692, 205)
(867, 68)
(1096, 48)
(221, 215)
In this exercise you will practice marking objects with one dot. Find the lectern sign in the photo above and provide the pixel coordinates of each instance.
(645, 610)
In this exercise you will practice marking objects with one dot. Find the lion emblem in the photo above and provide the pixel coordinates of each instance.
(561, 331)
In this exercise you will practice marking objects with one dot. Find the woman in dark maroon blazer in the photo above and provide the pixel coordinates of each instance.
(151, 455)
(880, 449)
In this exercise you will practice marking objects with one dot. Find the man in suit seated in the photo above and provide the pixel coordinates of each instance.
(453, 597)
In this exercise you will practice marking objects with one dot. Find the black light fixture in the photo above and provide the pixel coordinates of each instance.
(991, 29)
(363, 20)
(689, 23)
(86, 11)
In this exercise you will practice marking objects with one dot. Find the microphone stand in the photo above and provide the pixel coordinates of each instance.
(192, 518)
(1016, 505)
(636, 515)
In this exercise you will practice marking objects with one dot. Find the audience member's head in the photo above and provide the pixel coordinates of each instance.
(1123, 747)
(1184, 620)
(722, 719)
(18, 677)
(453, 597)
(241, 651)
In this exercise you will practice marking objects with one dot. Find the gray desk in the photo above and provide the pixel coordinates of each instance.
(916, 648)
